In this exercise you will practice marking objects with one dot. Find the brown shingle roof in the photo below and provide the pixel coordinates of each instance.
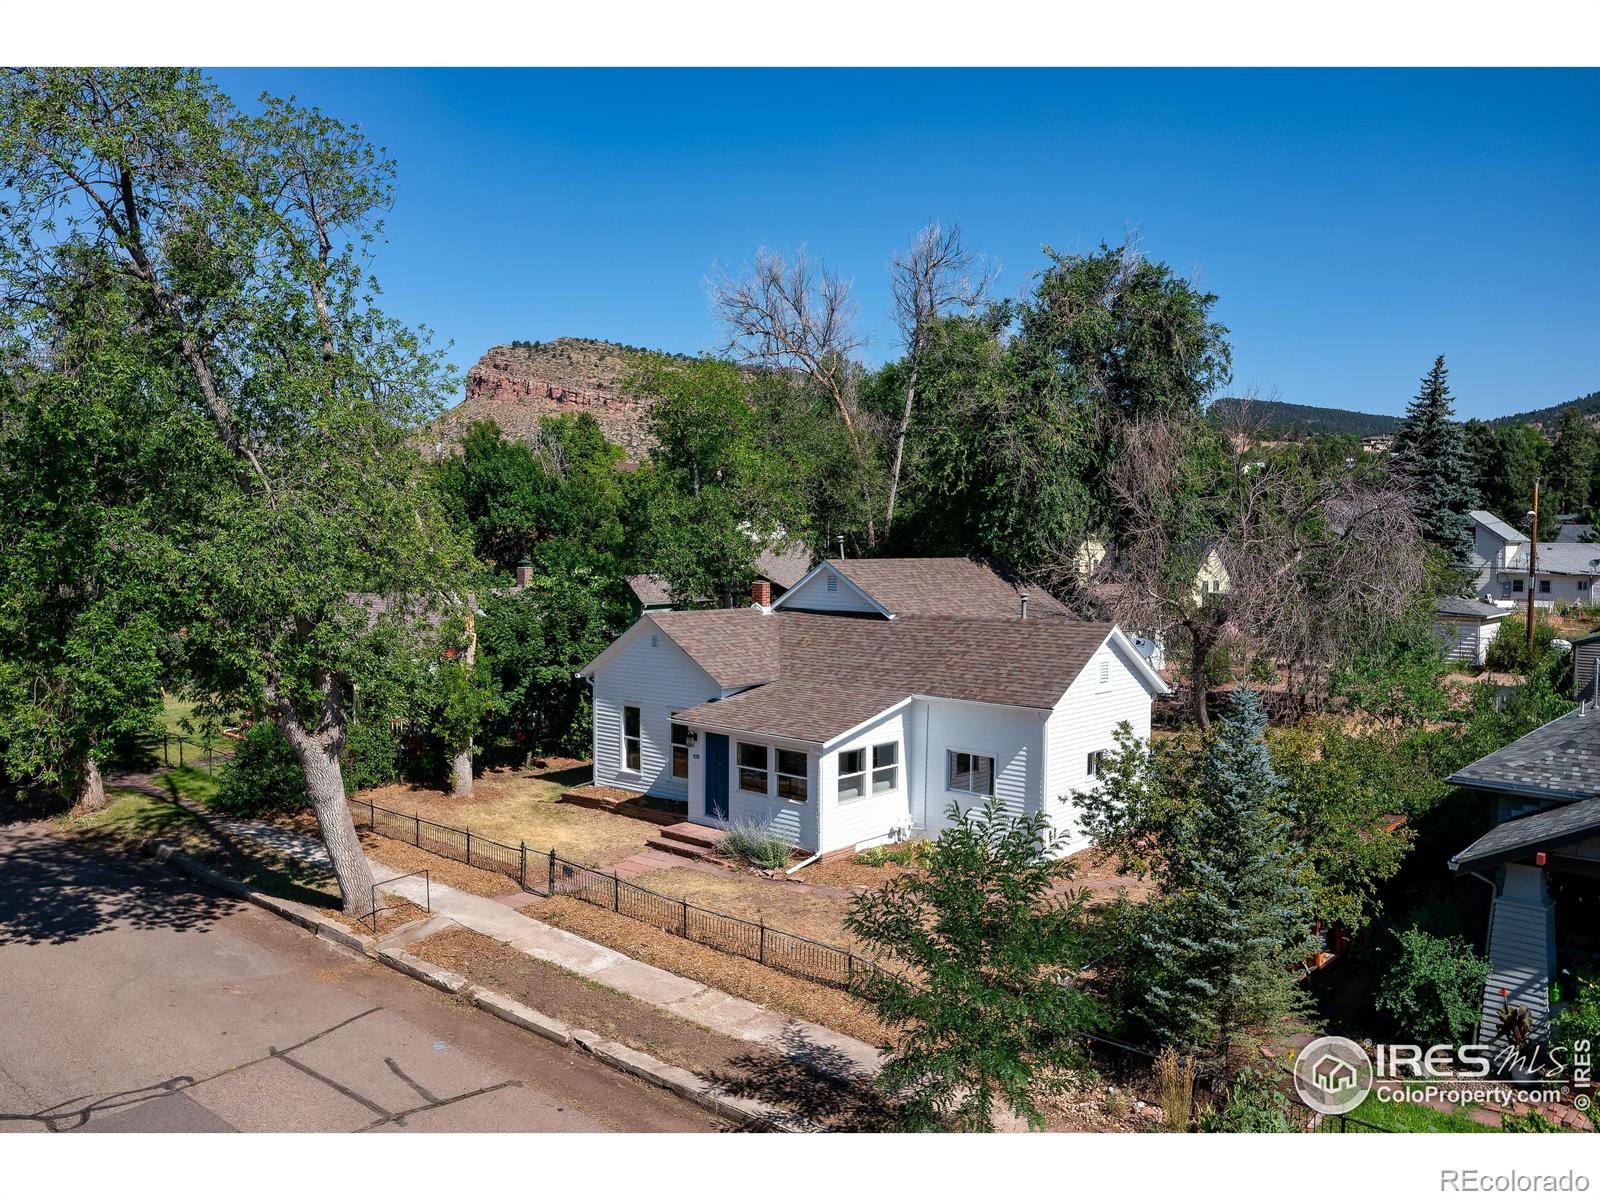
(735, 646)
(784, 567)
(832, 672)
(955, 587)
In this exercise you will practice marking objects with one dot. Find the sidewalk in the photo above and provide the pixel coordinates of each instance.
(821, 1050)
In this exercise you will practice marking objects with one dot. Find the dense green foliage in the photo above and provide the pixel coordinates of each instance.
(1254, 1104)
(987, 1019)
(261, 778)
(1433, 988)
(1578, 995)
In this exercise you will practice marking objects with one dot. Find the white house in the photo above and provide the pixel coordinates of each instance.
(1467, 627)
(856, 708)
(1565, 572)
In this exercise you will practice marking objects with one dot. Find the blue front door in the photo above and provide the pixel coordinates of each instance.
(717, 776)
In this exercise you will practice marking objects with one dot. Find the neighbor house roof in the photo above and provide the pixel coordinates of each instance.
(833, 673)
(1498, 527)
(1560, 760)
(784, 567)
(959, 587)
(1560, 558)
(1538, 831)
(1454, 606)
(1573, 532)
(650, 590)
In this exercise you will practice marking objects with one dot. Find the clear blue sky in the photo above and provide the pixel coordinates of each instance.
(1353, 223)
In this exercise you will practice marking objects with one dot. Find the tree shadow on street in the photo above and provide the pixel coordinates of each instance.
(54, 891)
(817, 1083)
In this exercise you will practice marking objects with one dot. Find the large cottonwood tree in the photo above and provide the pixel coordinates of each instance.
(243, 239)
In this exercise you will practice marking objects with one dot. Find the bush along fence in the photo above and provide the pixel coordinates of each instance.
(548, 874)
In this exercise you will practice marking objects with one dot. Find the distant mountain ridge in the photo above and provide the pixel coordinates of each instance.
(1281, 419)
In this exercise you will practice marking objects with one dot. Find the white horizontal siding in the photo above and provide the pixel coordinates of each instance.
(648, 670)
(813, 595)
(1013, 737)
(1522, 950)
(871, 818)
(1085, 720)
(794, 821)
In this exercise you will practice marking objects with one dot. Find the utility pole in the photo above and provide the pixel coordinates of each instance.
(1533, 560)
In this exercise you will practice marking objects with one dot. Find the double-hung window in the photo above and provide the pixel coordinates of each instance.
(1516, 586)
(1544, 587)
(630, 737)
(852, 773)
(1097, 760)
(854, 770)
(680, 751)
(792, 776)
(885, 767)
(973, 773)
(753, 768)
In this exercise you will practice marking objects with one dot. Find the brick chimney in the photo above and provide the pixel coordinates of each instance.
(524, 572)
(761, 593)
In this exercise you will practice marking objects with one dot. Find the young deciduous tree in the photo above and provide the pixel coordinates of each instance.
(988, 1014)
(1430, 456)
(243, 242)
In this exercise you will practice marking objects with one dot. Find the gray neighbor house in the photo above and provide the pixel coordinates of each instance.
(1542, 856)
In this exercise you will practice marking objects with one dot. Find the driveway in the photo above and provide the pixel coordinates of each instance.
(137, 1000)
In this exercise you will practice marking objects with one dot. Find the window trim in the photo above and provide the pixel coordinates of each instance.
(892, 769)
(840, 775)
(1516, 586)
(672, 767)
(739, 767)
(637, 740)
(1095, 765)
(950, 771)
(779, 775)
(1544, 587)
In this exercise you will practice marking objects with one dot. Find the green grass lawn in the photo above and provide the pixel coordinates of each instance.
(131, 816)
(1403, 1117)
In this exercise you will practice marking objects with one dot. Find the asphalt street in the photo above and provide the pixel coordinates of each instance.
(133, 999)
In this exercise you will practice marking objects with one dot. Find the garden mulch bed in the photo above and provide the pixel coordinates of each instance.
(773, 989)
(736, 1065)
(845, 872)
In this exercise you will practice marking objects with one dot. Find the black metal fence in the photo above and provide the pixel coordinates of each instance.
(549, 874)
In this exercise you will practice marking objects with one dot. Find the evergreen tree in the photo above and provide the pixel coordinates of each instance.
(1430, 454)
(1572, 462)
(1233, 915)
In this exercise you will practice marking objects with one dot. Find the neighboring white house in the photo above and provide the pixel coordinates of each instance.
(1566, 572)
(855, 709)
(1467, 627)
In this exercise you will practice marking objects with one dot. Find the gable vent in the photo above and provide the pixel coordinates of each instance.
(833, 583)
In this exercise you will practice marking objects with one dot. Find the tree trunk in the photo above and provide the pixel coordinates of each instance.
(461, 757)
(461, 771)
(91, 789)
(899, 450)
(318, 756)
(1200, 650)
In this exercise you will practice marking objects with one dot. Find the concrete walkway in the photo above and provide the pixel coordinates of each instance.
(823, 1050)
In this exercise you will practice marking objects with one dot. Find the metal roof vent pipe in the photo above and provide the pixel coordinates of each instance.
(1024, 597)
(841, 547)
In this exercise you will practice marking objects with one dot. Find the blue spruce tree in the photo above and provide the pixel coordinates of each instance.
(1430, 455)
(1233, 915)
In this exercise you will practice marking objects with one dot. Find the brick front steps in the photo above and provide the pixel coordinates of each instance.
(687, 840)
(633, 804)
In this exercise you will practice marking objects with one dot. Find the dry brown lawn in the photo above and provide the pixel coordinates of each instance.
(773, 989)
(404, 857)
(513, 806)
(820, 918)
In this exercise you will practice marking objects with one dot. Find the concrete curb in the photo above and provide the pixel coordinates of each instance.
(686, 1084)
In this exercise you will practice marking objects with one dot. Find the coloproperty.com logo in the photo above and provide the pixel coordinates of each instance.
(1334, 1074)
